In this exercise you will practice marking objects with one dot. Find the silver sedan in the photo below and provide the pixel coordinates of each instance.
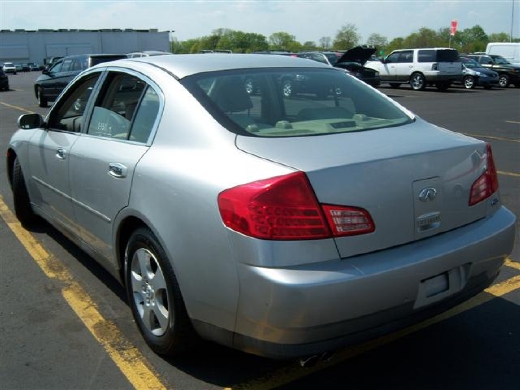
(281, 225)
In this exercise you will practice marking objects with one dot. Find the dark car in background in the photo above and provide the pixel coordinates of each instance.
(49, 85)
(473, 74)
(352, 61)
(4, 81)
(507, 72)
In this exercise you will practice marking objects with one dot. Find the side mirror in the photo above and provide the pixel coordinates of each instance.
(30, 121)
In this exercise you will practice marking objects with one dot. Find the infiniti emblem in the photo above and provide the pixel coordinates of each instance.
(427, 194)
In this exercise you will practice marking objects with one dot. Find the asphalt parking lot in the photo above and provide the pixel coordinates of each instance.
(65, 323)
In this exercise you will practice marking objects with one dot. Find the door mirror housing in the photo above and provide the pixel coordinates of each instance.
(30, 121)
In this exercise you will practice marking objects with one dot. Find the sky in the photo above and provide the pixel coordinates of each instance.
(306, 20)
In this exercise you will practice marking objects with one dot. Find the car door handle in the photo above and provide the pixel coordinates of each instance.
(61, 154)
(117, 170)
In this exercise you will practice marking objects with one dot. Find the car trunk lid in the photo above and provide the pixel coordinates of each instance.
(414, 180)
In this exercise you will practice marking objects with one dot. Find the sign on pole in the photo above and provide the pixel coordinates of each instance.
(453, 28)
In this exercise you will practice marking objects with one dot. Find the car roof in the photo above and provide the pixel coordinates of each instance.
(182, 65)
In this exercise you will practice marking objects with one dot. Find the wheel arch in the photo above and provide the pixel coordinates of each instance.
(125, 230)
(10, 157)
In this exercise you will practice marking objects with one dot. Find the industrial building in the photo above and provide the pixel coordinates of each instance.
(23, 46)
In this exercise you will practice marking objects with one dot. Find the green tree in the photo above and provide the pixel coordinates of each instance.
(309, 46)
(498, 37)
(281, 41)
(378, 41)
(346, 38)
(325, 43)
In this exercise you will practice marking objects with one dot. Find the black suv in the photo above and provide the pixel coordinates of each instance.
(49, 85)
(507, 72)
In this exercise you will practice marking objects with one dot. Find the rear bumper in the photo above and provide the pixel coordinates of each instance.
(286, 313)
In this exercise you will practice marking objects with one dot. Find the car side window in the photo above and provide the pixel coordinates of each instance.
(56, 67)
(126, 109)
(406, 57)
(68, 115)
(145, 117)
(392, 58)
(67, 65)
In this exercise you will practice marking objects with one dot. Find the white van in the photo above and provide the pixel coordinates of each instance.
(510, 51)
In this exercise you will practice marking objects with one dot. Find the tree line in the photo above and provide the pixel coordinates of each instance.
(465, 41)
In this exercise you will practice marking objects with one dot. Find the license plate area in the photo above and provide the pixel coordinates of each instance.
(440, 286)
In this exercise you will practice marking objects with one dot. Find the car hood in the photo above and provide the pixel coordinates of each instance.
(359, 54)
(483, 71)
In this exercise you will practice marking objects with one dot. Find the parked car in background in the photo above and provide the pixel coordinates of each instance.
(4, 81)
(26, 67)
(351, 61)
(325, 57)
(19, 67)
(507, 73)
(354, 60)
(284, 226)
(9, 67)
(147, 53)
(420, 68)
(49, 85)
(473, 74)
(33, 67)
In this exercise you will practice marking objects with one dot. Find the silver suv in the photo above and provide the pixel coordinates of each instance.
(420, 68)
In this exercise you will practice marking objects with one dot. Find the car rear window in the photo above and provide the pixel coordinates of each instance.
(438, 55)
(293, 102)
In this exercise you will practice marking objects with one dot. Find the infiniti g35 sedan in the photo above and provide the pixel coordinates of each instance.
(284, 226)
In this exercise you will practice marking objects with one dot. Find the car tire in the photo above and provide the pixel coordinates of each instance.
(418, 82)
(155, 297)
(22, 203)
(395, 85)
(468, 82)
(287, 88)
(42, 101)
(503, 81)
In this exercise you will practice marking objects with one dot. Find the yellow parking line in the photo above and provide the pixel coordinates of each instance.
(293, 372)
(491, 137)
(17, 108)
(512, 264)
(508, 173)
(128, 358)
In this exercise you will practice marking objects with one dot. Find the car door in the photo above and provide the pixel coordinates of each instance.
(403, 67)
(386, 68)
(49, 153)
(103, 161)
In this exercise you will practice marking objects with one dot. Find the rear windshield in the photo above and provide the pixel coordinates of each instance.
(436, 55)
(293, 102)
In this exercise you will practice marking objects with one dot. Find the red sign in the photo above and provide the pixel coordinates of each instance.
(453, 28)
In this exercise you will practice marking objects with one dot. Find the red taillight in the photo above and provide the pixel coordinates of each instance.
(284, 208)
(487, 184)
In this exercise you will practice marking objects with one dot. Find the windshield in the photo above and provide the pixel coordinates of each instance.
(293, 102)
(470, 63)
(500, 60)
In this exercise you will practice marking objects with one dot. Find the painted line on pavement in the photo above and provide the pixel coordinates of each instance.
(130, 361)
(17, 108)
(508, 173)
(293, 372)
